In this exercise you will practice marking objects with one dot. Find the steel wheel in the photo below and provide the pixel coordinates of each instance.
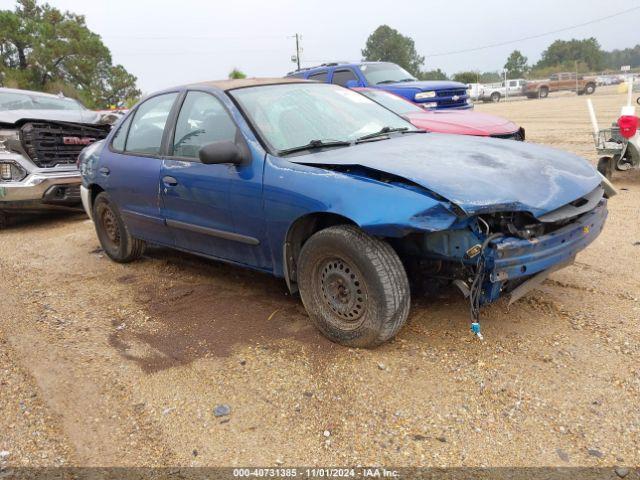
(110, 224)
(343, 292)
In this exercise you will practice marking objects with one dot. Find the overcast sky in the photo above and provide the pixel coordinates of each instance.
(167, 43)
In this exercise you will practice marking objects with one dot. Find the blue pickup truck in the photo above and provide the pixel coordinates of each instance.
(388, 76)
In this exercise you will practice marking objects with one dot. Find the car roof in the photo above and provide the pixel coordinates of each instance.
(226, 85)
(334, 65)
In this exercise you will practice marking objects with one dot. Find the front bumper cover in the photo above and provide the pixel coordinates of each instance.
(514, 259)
(42, 189)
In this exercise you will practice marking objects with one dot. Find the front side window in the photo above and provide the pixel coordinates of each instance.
(202, 120)
(147, 127)
(381, 73)
(341, 77)
(319, 77)
(292, 115)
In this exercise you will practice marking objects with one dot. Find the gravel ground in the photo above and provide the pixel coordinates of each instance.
(107, 364)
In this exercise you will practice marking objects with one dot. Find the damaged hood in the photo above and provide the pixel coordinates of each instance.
(477, 174)
(74, 116)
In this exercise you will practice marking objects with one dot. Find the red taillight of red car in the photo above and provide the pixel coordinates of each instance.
(628, 125)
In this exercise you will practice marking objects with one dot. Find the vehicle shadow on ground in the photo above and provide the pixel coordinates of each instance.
(201, 308)
(42, 220)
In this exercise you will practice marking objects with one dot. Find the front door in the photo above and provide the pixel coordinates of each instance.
(208, 207)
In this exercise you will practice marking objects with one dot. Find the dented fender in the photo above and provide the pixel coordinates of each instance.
(385, 209)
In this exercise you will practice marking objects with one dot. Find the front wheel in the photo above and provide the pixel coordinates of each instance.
(115, 239)
(495, 97)
(544, 93)
(353, 286)
(589, 89)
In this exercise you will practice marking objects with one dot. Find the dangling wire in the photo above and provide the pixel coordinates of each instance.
(475, 291)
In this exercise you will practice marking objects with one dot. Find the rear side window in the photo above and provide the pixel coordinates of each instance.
(341, 77)
(120, 137)
(147, 127)
(318, 77)
(202, 120)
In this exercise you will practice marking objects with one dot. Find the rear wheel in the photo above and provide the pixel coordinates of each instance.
(495, 97)
(3, 220)
(605, 167)
(353, 286)
(115, 239)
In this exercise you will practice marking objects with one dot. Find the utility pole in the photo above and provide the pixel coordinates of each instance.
(296, 58)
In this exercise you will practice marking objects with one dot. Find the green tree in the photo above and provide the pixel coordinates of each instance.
(490, 77)
(237, 74)
(386, 44)
(465, 77)
(516, 65)
(42, 48)
(564, 54)
(617, 58)
(436, 74)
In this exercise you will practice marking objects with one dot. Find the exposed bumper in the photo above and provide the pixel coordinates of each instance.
(46, 189)
(515, 258)
(85, 195)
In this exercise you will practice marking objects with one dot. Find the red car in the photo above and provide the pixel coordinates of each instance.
(459, 122)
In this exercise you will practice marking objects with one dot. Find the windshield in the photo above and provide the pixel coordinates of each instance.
(379, 73)
(23, 101)
(292, 115)
(392, 102)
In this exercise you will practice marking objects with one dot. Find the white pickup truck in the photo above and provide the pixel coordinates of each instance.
(496, 91)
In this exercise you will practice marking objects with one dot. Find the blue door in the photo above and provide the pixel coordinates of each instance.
(131, 168)
(215, 210)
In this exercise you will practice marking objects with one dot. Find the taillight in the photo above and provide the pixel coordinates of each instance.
(628, 125)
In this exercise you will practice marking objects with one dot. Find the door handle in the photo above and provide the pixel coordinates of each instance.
(169, 181)
(104, 171)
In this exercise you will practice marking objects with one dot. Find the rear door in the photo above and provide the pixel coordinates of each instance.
(214, 210)
(130, 169)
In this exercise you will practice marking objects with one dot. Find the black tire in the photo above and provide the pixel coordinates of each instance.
(543, 93)
(605, 167)
(115, 239)
(353, 286)
(589, 89)
(495, 97)
(4, 220)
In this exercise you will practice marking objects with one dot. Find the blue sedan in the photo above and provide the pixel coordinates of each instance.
(345, 200)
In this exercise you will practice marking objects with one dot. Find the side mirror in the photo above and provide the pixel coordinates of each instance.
(352, 84)
(220, 152)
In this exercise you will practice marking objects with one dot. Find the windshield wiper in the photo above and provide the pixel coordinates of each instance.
(407, 80)
(316, 144)
(386, 130)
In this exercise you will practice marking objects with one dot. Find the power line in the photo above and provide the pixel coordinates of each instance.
(493, 45)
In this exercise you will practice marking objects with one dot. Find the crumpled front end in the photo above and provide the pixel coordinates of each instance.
(490, 255)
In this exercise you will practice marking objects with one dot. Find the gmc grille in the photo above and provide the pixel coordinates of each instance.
(58, 143)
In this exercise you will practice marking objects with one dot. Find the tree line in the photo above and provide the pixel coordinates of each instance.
(387, 44)
(45, 49)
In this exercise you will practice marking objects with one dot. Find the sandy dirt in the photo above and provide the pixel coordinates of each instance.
(106, 364)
